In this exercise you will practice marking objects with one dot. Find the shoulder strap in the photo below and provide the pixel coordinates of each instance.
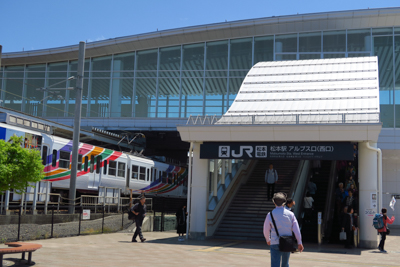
(273, 221)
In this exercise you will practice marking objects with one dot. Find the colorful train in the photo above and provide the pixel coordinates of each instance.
(99, 168)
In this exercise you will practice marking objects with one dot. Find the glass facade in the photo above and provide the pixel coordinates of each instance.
(192, 79)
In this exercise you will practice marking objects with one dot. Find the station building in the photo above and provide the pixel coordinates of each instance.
(156, 81)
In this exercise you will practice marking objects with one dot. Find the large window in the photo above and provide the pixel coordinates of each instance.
(146, 83)
(122, 85)
(100, 87)
(192, 80)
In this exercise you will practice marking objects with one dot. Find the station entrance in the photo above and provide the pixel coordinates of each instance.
(290, 114)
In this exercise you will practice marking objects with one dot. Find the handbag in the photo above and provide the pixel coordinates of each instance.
(286, 243)
(387, 231)
(343, 235)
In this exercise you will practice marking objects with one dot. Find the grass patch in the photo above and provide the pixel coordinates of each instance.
(92, 231)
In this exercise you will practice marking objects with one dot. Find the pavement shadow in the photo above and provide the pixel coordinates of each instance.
(259, 245)
(15, 262)
(213, 243)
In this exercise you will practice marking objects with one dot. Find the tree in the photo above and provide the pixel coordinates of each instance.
(18, 166)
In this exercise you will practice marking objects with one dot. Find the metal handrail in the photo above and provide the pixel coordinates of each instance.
(282, 118)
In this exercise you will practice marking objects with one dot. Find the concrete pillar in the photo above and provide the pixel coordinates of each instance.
(223, 170)
(215, 178)
(7, 204)
(198, 210)
(35, 194)
(368, 180)
(229, 166)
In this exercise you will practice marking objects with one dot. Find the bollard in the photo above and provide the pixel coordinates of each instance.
(80, 218)
(122, 227)
(319, 228)
(19, 222)
(52, 222)
(102, 224)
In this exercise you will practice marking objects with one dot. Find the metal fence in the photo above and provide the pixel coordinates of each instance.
(19, 227)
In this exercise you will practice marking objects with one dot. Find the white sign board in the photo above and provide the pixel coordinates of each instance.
(86, 215)
(369, 212)
(373, 201)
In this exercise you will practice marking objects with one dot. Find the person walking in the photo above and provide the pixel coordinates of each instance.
(286, 223)
(271, 177)
(349, 225)
(139, 209)
(308, 207)
(181, 216)
(384, 231)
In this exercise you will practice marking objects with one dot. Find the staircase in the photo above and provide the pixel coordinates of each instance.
(309, 231)
(245, 217)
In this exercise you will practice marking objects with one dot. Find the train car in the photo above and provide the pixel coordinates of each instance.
(100, 168)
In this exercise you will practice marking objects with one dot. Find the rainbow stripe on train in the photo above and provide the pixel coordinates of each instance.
(91, 180)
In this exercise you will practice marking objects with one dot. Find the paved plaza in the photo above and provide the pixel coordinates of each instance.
(164, 249)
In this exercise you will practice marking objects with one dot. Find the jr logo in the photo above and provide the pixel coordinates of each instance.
(247, 149)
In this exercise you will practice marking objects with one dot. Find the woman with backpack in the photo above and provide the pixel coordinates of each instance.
(384, 231)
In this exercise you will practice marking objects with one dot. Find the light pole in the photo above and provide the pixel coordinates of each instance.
(77, 127)
(77, 123)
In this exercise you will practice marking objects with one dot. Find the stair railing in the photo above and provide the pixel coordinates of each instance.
(329, 210)
(214, 217)
(299, 187)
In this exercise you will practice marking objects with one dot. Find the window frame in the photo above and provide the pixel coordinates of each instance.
(63, 161)
(111, 168)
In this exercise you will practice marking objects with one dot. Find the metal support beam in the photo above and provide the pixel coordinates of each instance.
(77, 126)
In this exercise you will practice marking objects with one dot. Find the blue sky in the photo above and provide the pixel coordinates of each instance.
(40, 24)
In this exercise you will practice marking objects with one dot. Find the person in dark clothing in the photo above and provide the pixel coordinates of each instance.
(181, 216)
(349, 225)
(139, 209)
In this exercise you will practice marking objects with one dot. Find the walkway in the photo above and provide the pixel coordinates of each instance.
(163, 249)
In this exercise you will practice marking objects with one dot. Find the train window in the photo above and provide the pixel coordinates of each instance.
(142, 174)
(112, 168)
(160, 176)
(54, 158)
(105, 167)
(98, 164)
(170, 175)
(164, 177)
(64, 159)
(79, 162)
(148, 175)
(153, 174)
(44, 155)
(121, 169)
(135, 172)
(91, 163)
(86, 167)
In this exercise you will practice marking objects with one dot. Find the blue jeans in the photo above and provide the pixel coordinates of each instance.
(276, 256)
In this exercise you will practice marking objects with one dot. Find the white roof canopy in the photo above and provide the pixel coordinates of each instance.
(320, 91)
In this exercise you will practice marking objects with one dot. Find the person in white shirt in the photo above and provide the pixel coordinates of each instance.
(271, 177)
(308, 204)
